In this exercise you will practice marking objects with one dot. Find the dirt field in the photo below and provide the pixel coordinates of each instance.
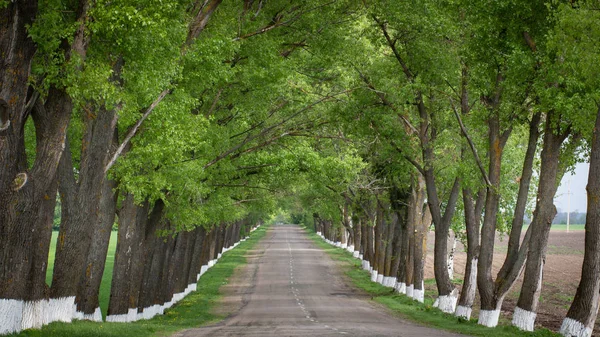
(561, 276)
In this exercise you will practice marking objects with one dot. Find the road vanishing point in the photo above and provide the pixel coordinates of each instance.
(290, 287)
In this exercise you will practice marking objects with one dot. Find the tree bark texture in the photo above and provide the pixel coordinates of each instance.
(89, 287)
(473, 210)
(81, 207)
(128, 265)
(485, 282)
(196, 263)
(544, 213)
(25, 193)
(420, 247)
(519, 213)
(357, 229)
(584, 308)
(442, 226)
(156, 247)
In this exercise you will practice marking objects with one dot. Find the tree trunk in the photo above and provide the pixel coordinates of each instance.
(197, 262)
(584, 309)
(398, 205)
(447, 292)
(473, 211)
(35, 311)
(220, 240)
(165, 291)
(347, 226)
(402, 211)
(153, 257)
(89, 288)
(414, 214)
(364, 244)
(451, 253)
(25, 193)
(81, 213)
(187, 261)
(388, 280)
(356, 226)
(214, 237)
(545, 211)
(377, 262)
(129, 264)
(175, 277)
(421, 228)
(370, 249)
(490, 301)
(206, 251)
(521, 204)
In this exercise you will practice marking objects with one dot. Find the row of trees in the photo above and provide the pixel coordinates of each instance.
(470, 116)
(574, 217)
(380, 118)
(171, 120)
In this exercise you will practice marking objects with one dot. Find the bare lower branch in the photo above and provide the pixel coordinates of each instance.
(463, 129)
(132, 132)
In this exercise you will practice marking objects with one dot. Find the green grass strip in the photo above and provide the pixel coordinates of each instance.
(422, 313)
(194, 310)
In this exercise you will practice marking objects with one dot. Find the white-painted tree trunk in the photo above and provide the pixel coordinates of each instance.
(380, 279)
(374, 276)
(11, 316)
(389, 281)
(489, 318)
(447, 303)
(401, 287)
(130, 316)
(203, 270)
(523, 319)
(35, 314)
(95, 317)
(573, 328)
(61, 309)
(463, 311)
(418, 295)
(451, 256)
(409, 290)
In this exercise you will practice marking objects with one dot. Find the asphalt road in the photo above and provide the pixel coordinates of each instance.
(292, 288)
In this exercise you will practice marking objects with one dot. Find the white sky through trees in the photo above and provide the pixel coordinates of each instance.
(578, 194)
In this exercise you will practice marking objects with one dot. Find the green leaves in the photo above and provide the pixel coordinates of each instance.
(312, 99)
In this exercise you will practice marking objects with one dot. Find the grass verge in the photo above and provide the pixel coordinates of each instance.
(193, 311)
(421, 313)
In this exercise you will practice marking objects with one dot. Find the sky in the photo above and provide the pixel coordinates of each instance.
(578, 181)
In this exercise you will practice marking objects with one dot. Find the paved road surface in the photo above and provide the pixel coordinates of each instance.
(292, 288)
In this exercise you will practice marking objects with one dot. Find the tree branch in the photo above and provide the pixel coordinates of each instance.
(132, 132)
(270, 128)
(471, 145)
(392, 44)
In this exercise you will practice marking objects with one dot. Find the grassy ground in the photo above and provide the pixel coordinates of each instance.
(573, 227)
(193, 311)
(106, 277)
(563, 227)
(422, 313)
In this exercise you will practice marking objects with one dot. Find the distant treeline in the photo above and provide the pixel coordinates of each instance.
(575, 218)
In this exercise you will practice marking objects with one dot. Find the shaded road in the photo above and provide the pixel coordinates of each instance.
(292, 288)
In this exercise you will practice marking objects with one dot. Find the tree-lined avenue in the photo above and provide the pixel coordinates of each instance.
(297, 290)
